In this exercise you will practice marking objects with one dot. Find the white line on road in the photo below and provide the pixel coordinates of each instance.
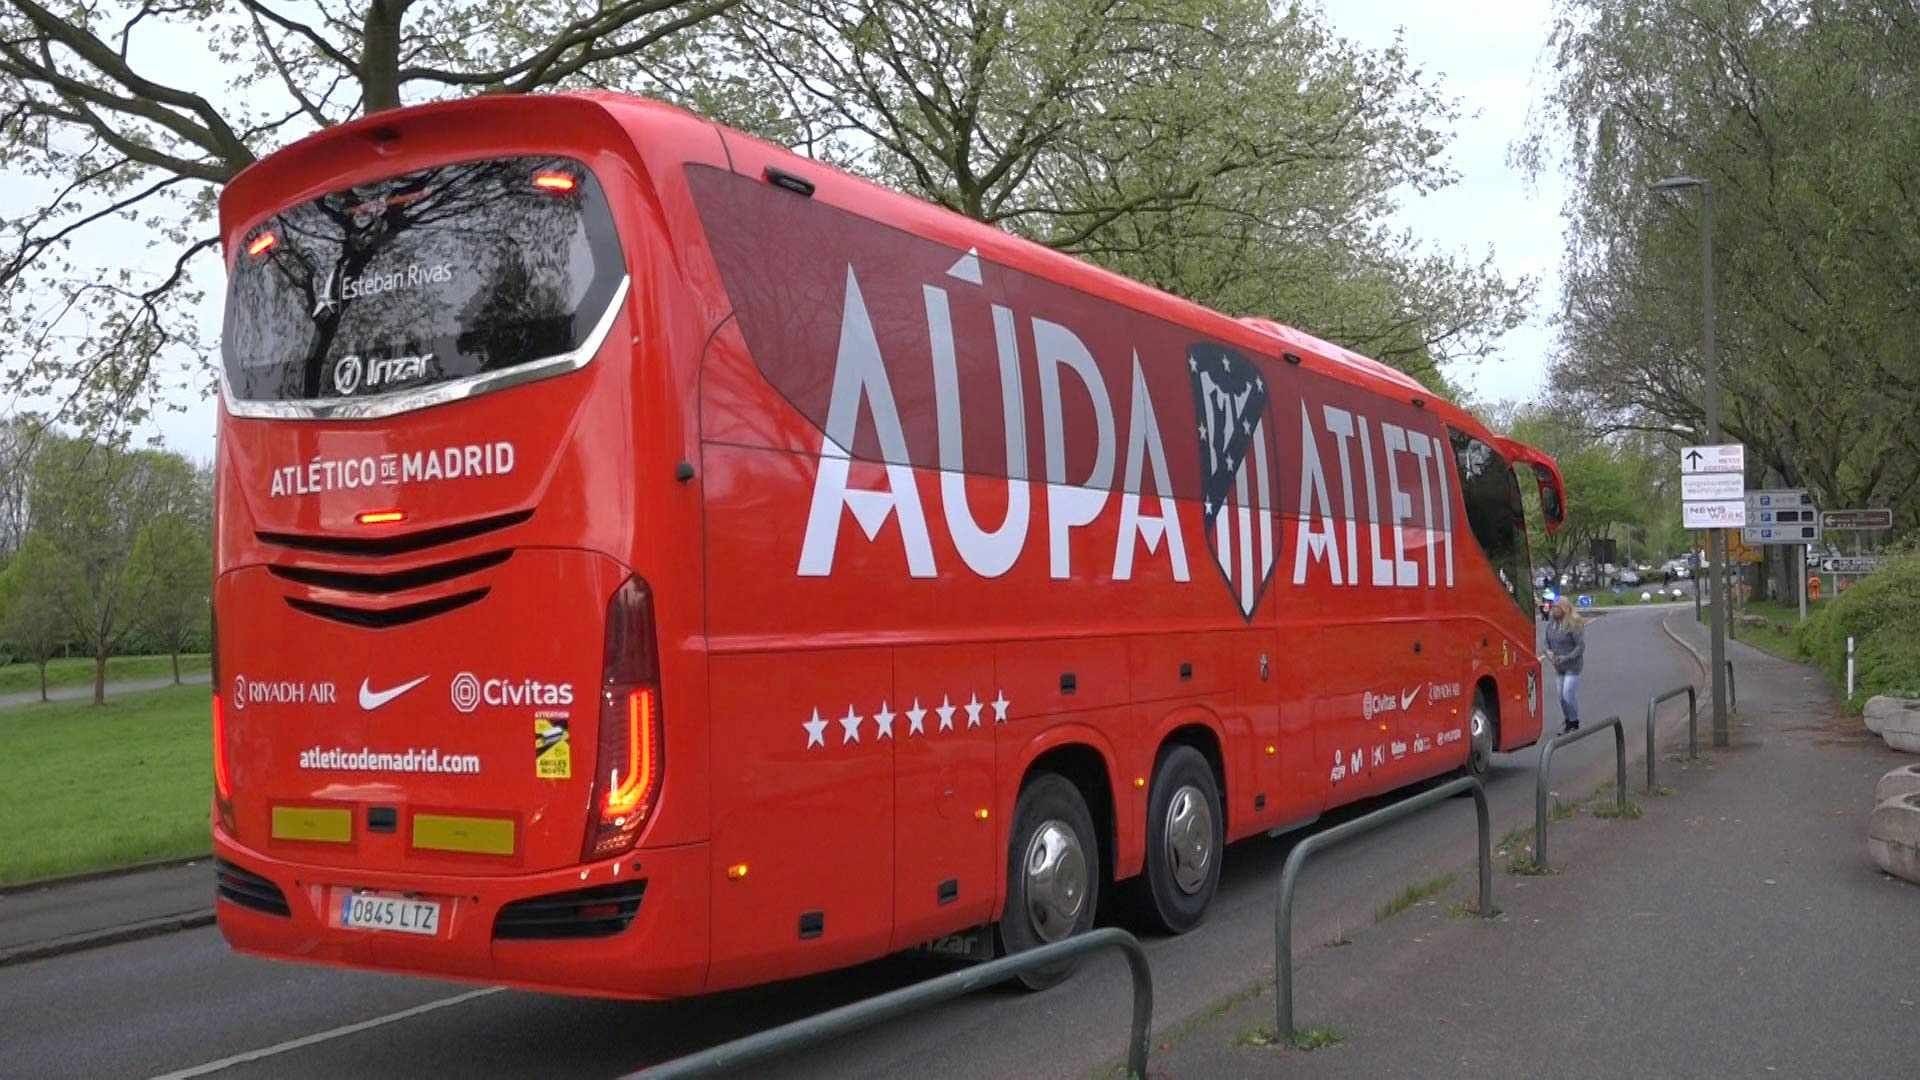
(323, 1036)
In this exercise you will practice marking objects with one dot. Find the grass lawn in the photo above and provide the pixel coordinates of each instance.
(78, 671)
(89, 788)
(1776, 636)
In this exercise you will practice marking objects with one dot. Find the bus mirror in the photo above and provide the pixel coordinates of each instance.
(1552, 505)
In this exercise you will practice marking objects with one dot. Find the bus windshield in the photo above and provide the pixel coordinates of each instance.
(427, 281)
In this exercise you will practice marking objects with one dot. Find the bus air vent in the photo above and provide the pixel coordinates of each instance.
(381, 618)
(398, 543)
(601, 911)
(399, 581)
(249, 890)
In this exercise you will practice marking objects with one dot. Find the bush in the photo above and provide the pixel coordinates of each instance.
(1881, 612)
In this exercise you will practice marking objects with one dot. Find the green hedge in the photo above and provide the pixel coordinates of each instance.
(1881, 612)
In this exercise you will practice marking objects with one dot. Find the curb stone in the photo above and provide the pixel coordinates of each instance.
(113, 935)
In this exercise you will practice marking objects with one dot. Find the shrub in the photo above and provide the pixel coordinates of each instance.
(1881, 612)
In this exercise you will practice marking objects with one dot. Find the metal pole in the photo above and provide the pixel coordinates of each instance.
(1802, 548)
(1716, 538)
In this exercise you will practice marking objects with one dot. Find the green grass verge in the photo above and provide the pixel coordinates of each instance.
(78, 671)
(85, 788)
(1775, 635)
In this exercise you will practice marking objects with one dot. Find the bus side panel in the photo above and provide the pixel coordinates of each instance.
(944, 855)
(803, 813)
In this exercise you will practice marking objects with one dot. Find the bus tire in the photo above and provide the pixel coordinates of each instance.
(1185, 840)
(1053, 873)
(1482, 729)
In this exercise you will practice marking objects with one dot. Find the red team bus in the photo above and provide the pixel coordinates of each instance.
(650, 562)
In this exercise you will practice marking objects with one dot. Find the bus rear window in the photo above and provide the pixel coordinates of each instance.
(422, 288)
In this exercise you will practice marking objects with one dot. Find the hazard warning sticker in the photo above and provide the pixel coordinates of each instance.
(552, 753)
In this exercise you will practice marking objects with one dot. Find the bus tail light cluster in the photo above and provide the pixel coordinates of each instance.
(628, 765)
(222, 778)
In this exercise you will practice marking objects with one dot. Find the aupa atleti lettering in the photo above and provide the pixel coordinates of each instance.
(1371, 501)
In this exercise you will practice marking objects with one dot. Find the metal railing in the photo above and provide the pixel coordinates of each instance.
(1546, 759)
(1693, 725)
(861, 1014)
(1290, 876)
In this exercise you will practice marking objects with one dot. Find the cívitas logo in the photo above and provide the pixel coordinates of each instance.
(469, 691)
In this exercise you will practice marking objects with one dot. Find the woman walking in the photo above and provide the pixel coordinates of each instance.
(1566, 647)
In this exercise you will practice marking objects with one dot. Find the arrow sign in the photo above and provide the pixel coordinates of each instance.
(1725, 458)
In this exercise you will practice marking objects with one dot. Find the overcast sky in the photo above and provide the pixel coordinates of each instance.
(1486, 52)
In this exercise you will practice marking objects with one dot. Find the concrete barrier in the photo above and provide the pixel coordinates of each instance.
(1881, 709)
(1898, 722)
(1893, 836)
(1904, 780)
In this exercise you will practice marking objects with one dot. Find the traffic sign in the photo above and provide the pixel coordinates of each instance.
(1702, 486)
(1714, 514)
(1851, 564)
(1737, 549)
(1781, 516)
(1857, 520)
(1726, 458)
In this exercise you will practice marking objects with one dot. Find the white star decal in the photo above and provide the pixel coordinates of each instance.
(884, 721)
(946, 713)
(816, 731)
(914, 716)
(1000, 704)
(850, 726)
(973, 710)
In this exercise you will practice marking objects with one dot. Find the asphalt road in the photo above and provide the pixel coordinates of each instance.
(183, 1005)
(85, 690)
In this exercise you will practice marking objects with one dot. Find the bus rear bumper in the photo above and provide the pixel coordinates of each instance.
(660, 953)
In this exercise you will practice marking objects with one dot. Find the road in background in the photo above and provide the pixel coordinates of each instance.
(184, 1001)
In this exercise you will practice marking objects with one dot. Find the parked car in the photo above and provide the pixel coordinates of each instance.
(1627, 576)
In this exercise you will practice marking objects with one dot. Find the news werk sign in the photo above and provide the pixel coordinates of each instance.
(1711, 483)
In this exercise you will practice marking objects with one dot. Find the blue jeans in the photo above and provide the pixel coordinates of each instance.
(1569, 697)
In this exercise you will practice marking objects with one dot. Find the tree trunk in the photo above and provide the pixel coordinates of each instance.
(43, 681)
(100, 675)
(176, 665)
(380, 55)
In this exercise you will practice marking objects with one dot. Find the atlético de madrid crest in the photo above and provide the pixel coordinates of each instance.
(1230, 410)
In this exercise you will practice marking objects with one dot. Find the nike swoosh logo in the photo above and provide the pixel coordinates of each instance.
(370, 700)
(1406, 699)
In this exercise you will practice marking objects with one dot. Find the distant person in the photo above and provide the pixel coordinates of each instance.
(1566, 648)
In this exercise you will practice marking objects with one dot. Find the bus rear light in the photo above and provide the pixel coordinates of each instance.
(557, 182)
(262, 244)
(628, 764)
(222, 776)
(380, 517)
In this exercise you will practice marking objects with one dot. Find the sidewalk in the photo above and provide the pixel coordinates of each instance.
(1739, 928)
(48, 921)
(85, 691)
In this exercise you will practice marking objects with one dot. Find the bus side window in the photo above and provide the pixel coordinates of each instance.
(1495, 514)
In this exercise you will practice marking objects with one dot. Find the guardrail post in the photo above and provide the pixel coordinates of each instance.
(1290, 876)
(834, 1023)
(1693, 728)
(1546, 760)
(1733, 690)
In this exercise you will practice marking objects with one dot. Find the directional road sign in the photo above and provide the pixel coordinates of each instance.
(1857, 520)
(1708, 486)
(1851, 564)
(1726, 458)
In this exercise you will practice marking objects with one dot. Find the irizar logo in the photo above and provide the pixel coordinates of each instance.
(469, 692)
(351, 372)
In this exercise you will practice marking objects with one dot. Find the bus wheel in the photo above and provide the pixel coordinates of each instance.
(1480, 737)
(1185, 838)
(1053, 880)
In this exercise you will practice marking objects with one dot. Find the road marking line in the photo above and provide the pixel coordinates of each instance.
(324, 1036)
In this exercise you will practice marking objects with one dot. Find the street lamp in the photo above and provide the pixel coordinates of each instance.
(1716, 542)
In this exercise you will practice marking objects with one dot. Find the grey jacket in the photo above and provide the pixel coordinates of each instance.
(1566, 646)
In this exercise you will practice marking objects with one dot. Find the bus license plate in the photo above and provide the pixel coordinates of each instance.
(369, 911)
